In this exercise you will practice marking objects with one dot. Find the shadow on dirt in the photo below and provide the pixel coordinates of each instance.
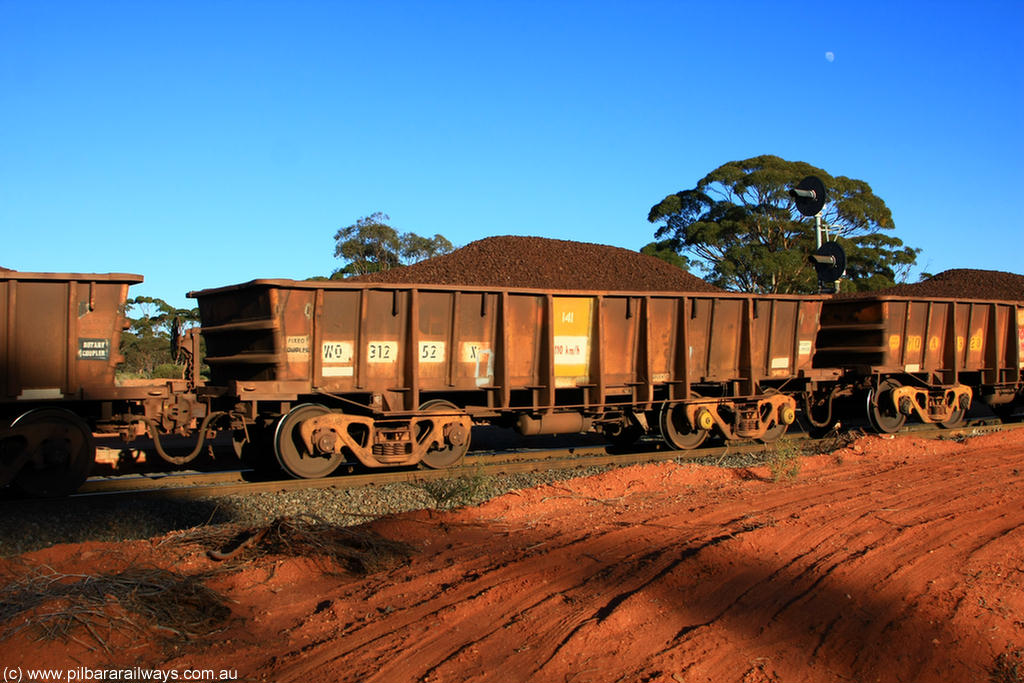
(818, 606)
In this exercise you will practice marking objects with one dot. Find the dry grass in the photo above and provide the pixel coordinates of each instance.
(1008, 667)
(97, 611)
(353, 549)
(453, 491)
(56, 606)
(837, 439)
(784, 460)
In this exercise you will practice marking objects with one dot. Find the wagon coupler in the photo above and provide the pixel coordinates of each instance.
(154, 433)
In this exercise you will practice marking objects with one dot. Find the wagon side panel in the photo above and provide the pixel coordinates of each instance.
(100, 319)
(334, 338)
(977, 323)
(39, 338)
(809, 319)
(698, 338)
(382, 353)
(6, 323)
(726, 339)
(474, 344)
(783, 337)
(572, 340)
(525, 326)
(1018, 332)
(937, 337)
(667, 361)
(291, 341)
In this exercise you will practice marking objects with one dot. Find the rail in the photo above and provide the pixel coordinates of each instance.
(240, 482)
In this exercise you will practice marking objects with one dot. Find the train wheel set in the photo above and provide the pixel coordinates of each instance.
(314, 376)
(47, 452)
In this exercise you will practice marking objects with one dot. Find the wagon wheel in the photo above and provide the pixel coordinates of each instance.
(956, 419)
(61, 453)
(773, 433)
(456, 441)
(291, 451)
(881, 412)
(676, 429)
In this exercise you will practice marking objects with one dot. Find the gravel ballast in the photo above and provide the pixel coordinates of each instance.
(35, 524)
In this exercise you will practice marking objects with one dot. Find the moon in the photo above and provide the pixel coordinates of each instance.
(830, 56)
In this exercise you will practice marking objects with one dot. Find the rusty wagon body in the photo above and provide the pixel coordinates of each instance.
(923, 357)
(397, 374)
(59, 346)
(60, 336)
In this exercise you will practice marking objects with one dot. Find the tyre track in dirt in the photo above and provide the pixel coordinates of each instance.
(853, 571)
(896, 548)
(507, 583)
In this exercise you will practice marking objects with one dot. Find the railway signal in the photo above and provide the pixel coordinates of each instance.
(829, 259)
(810, 196)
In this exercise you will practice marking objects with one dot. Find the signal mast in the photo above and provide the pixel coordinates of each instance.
(829, 259)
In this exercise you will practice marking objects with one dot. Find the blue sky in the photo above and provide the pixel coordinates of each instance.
(209, 143)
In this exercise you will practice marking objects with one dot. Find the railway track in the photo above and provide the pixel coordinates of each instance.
(197, 485)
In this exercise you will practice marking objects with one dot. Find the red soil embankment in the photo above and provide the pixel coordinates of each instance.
(891, 560)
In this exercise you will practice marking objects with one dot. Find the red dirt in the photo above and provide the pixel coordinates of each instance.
(891, 560)
(543, 263)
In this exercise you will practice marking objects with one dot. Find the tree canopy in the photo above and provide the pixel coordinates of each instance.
(370, 245)
(667, 253)
(740, 226)
(150, 344)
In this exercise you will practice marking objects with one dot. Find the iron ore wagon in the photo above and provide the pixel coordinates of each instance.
(386, 375)
(59, 347)
(921, 357)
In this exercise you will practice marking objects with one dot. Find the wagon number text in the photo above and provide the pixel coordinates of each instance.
(382, 352)
(336, 352)
(431, 352)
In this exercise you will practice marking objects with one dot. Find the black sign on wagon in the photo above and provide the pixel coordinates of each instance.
(93, 349)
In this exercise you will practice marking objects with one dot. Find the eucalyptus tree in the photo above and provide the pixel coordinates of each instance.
(740, 226)
(371, 245)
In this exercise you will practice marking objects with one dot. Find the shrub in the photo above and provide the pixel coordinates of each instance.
(784, 461)
(168, 371)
